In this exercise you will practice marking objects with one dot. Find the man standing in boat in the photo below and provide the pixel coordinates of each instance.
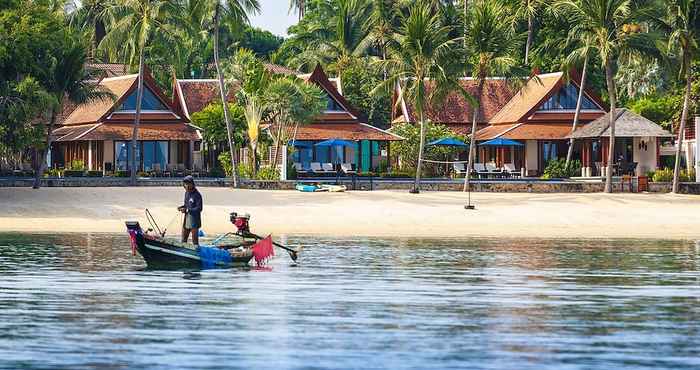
(192, 208)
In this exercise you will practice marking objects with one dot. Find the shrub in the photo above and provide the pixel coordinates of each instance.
(225, 162)
(122, 173)
(666, 175)
(557, 169)
(397, 174)
(216, 172)
(94, 174)
(53, 172)
(76, 165)
(73, 173)
(268, 173)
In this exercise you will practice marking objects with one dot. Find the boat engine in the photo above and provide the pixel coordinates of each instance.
(241, 222)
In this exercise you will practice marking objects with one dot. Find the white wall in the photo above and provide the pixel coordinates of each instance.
(646, 159)
(531, 156)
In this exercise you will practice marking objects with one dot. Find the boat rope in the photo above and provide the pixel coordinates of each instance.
(177, 216)
(152, 222)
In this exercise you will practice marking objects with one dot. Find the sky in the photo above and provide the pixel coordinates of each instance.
(274, 16)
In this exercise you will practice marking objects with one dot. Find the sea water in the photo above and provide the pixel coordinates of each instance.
(70, 301)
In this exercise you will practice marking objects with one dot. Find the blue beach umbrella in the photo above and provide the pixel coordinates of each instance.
(501, 142)
(336, 142)
(448, 141)
(300, 144)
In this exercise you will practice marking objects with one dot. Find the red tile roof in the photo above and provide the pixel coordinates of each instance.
(195, 95)
(539, 131)
(92, 112)
(110, 69)
(343, 131)
(492, 132)
(455, 109)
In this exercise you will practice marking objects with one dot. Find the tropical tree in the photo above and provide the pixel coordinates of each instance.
(299, 6)
(424, 50)
(681, 24)
(66, 80)
(528, 10)
(583, 52)
(93, 17)
(138, 21)
(380, 27)
(492, 45)
(235, 11)
(608, 22)
(290, 102)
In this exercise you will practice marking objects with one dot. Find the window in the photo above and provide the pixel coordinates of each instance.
(148, 102)
(566, 100)
(332, 105)
(153, 152)
(122, 155)
(549, 152)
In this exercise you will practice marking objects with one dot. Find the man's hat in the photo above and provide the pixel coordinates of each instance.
(188, 179)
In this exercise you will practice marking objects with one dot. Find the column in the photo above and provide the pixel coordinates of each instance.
(697, 149)
(89, 155)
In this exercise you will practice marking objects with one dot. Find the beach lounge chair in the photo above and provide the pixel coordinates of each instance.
(459, 169)
(328, 168)
(156, 171)
(300, 169)
(509, 169)
(493, 170)
(180, 170)
(169, 170)
(480, 170)
(347, 169)
(196, 170)
(316, 168)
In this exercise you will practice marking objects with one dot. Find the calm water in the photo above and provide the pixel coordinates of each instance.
(83, 302)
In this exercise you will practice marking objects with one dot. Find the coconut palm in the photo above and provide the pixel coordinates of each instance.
(380, 27)
(93, 16)
(299, 6)
(491, 44)
(235, 11)
(66, 81)
(528, 10)
(583, 52)
(138, 22)
(608, 22)
(681, 24)
(424, 50)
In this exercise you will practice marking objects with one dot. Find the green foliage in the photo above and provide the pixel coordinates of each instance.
(557, 169)
(268, 173)
(211, 119)
(666, 175)
(76, 165)
(53, 172)
(660, 109)
(407, 150)
(225, 162)
(290, 101)
(359, 79)
(262, 43)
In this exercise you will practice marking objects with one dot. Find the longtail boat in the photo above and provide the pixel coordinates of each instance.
(158, 252)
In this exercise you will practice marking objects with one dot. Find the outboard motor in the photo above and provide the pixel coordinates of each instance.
(241, 222)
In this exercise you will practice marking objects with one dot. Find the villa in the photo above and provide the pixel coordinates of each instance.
(540, 116)
(99, 133)
(340, 120)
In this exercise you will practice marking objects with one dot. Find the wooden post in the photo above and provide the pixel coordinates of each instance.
(89, 155)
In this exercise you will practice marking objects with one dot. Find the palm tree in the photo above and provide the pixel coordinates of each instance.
(67, 80)
(583, 52)
(380, 27)
(607, 23)
(235, 11)
(138, 21)
(93, 16)
(423, 51)
(491, 45)
(681, 24)
(528, 10)
(299, 6)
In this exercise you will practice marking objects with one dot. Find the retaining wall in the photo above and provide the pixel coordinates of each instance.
(518, 186)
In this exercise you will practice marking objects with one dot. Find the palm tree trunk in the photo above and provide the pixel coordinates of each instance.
(222, 90)
(577, 115)
(613, 116)
(137, 121)
(41, 154)
(421, 148)
(528, 44)
(472, 141)
(681, 127)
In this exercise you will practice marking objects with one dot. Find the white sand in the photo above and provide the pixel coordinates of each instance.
(379, 213)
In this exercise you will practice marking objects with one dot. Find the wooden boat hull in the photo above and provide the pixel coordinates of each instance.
(160, 254)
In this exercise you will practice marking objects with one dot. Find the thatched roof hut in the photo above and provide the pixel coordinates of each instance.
(627, 124)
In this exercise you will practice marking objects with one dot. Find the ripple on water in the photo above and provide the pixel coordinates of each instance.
(72, 301)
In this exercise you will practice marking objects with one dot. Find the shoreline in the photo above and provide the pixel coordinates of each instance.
(381, 214)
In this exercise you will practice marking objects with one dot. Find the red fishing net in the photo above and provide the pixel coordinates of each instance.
(263, 250)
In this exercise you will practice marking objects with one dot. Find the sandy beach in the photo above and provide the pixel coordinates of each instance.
(379, 213)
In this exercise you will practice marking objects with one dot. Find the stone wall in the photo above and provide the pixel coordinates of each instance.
(364, 184)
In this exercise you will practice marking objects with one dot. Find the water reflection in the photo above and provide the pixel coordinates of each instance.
(82, 301)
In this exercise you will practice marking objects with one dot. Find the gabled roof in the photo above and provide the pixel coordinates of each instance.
(627, 124)
(121, 87)
(194, 95)
(536, 91)
(320, 78)
(455, 109)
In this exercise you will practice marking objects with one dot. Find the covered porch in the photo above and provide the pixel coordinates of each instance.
(637, 145)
